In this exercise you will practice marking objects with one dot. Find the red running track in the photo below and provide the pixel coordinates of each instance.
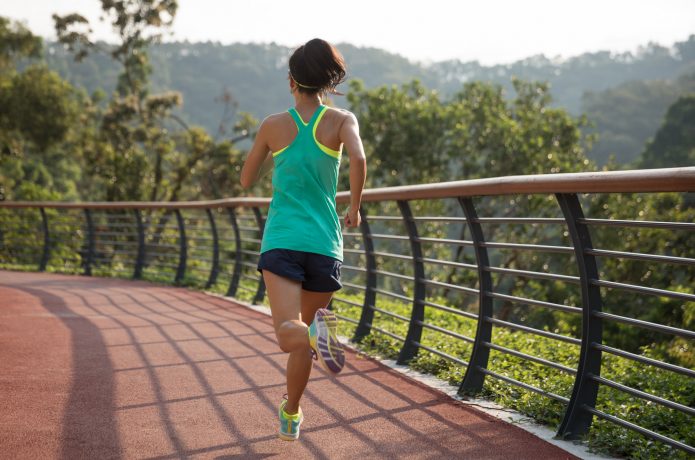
(106, 368)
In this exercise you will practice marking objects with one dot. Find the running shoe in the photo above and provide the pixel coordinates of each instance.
(289, 424)
(323, 339)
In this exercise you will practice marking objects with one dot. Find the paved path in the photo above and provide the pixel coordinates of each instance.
(105, 368)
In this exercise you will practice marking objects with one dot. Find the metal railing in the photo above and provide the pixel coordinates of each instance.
(399, 256)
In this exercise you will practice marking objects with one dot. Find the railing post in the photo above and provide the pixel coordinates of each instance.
(183, 248)
(236, 273)
(364, 327)
(473, 379)
(260, 292)
(90, 242)
(140, 257)
(577, 421)
(215, 250)
(46, 242)
(417, 316)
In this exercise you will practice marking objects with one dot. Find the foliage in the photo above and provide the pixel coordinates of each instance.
(678, 278)
(16, 41)
(38, 113)
(37, 106)
(674, 143)
(412, 136)
(625, 117)
(136, 149)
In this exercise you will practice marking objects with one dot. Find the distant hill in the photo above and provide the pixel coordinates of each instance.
(255, 74)
(629, 114)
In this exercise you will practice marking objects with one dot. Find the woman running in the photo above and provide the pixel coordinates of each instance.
(302, 247)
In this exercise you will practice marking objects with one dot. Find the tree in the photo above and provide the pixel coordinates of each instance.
(142, 150)
(36, 107)
(403, 131)
(16, 42)
(38, 112)
(129, 127)
(413, 135)
(626, 116)
(674, 143)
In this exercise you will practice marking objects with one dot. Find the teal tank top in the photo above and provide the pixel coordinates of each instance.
(302, 214)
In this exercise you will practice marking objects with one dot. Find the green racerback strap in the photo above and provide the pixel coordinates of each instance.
(298, 119)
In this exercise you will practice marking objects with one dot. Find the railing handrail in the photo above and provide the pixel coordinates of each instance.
(640, 180)
(630, 181)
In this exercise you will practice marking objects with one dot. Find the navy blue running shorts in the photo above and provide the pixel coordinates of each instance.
(316, 272)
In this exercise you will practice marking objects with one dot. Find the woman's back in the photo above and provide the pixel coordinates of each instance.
(284, 128)
(302, 214)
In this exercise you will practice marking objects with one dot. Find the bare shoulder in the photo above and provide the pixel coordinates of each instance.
(341, 114)
(276, 119)
(272, 124)
(342, 117)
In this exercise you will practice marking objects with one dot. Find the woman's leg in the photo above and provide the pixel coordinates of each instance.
(285, 297)
(290, 304)
(299, 362)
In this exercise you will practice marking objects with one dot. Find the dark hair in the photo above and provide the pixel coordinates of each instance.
(317, 67)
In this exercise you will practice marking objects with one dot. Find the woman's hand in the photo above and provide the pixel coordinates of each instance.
(353, 218)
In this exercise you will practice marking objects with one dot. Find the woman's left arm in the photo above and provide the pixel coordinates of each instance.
(259, 161)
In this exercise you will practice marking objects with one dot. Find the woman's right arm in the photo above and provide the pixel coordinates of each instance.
(258, 158)
(350, 137)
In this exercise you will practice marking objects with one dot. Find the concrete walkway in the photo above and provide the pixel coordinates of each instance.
(105, 368)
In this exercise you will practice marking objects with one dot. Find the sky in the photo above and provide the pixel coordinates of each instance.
(490, 31)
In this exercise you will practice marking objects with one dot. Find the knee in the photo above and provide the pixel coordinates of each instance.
(284, 344)
(288, 336)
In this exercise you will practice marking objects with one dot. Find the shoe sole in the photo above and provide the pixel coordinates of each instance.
(329, 351)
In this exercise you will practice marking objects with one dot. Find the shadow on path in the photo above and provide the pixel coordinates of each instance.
(89, 425)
